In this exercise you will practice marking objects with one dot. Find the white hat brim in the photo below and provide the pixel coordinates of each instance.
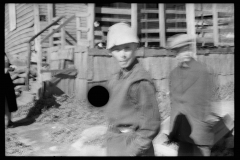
(181, 45)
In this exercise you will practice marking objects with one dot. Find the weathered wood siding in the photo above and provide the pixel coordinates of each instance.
(68, 10)
(43, 24)
(16, 40)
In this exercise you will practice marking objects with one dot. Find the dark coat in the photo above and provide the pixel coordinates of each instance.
(190, 95)
(10, 93)
(132, 105)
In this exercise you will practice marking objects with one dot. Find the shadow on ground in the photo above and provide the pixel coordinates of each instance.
(36, 110)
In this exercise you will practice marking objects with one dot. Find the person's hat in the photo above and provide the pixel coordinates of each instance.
(180, 40)
(119, 34)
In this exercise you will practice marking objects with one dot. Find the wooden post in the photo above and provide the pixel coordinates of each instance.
(91, 19)
(146, 26)
(63, 41)
(38, 47)
(215, 25)
(134, 17)
(50, 20)
(78, 32)
(12, 16)
(190, 16)
(162, 31)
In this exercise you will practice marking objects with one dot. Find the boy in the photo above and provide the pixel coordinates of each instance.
(132, 110)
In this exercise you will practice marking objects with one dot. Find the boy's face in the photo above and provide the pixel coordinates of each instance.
(124, 54)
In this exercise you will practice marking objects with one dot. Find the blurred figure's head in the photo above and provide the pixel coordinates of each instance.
(122, 42)
(181, 45)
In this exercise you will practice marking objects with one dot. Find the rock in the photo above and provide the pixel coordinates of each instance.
(20, 88)
(14, 76)
(94, 132)
(25, 98)
(20, 69)
(160, 139)
(53, 148)
(88, 151)
(89, 134)
(33, 70)
(224, 107)
(23, 75)
(161, 150)
(19, 81)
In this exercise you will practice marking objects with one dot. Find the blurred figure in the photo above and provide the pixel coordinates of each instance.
(10, 97)
(190, 96)
(132, 110)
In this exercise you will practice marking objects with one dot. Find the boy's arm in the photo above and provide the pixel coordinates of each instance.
(149, 125)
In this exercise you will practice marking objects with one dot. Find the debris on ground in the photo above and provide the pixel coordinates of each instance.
(71, 119)
(14, 147)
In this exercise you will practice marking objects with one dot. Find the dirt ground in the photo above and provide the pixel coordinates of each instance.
(64, 126)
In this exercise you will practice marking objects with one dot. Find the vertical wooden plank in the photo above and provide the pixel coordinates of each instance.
(162, 31)
(215, 25)
(50, 20)
(12, 16)
(78, 32)
(146, 26)
(231, 65)
(90, 68)
(81, 88)
(38, 47)
(134, 17)
(91, 19)
(190, 15)
(63, 41)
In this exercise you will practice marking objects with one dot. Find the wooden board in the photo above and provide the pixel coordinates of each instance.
(19, 5)
(230, 64)
(81, 88)
(90, 68)
(24, 7)
(30, 24)
(18, 47)
(18, 42)
(25, 21)
(24, 13)
(24, 33)
(81, 64)
(100, 69)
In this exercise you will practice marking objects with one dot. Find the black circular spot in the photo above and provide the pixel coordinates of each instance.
(98, 96)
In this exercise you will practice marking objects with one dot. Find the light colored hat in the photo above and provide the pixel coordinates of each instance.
(180, 40)
(121, 33)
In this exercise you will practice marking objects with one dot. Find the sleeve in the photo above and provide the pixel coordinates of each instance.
(149, 126)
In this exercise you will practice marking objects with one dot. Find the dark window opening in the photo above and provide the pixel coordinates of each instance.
(43, 18)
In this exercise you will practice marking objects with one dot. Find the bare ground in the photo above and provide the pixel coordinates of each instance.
(50, 127)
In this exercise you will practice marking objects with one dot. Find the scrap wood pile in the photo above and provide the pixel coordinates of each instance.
(18, 75)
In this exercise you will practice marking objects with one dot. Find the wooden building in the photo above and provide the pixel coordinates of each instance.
(69, 44)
